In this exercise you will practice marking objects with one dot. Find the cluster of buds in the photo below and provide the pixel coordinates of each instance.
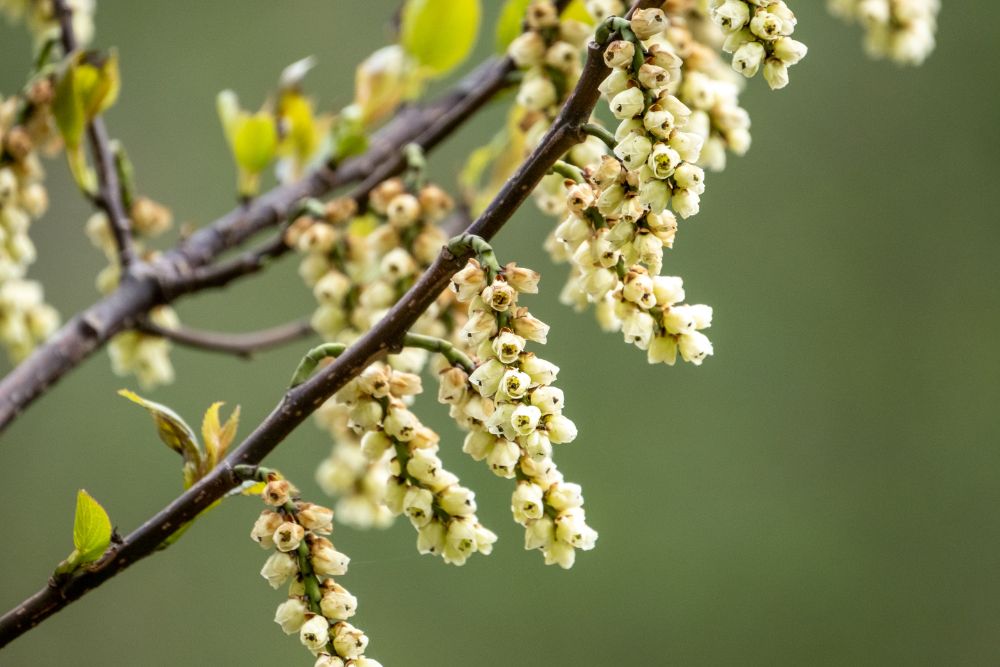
(357, 481)
(42, 21)
(902, 30)
(549, 54)
(441, 510)
(146, 356)
(25, 318)
(758, 33)
(708, 86)
(513, 412)
(359, 266)
(317, 608)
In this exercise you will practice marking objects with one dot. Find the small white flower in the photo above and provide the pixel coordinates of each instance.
(527, 503)
(291, 614)
(458, 501)
(648, 22)
(539, 534)
(503, 458)
(628, 104)
(619, 54)
(264, 527)
(337, 602)
(315, 633)
(527, 50)
(686, 203)
(634, 149)
(748, 58)
(278, 568)
(288, 536)
(776, 73)
(430, 538)
(525, 419)
(560, 429)
(325, 559)
(694, 347)
(559, 553)
(418, 506)
(348, 640)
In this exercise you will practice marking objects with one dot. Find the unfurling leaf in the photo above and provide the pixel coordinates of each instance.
(218, 436)
(173, 430)
(253, 139)
(91, 534)
(87, 87)
(381, 82)
(91, 528)
(440, 34)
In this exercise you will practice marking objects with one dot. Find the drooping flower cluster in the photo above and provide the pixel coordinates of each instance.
(758, 33)
(513, 412)
(549, 54)
(144, 355)
(317, 608)
(618, 220)
(901, 30)
(707, 86)
(441, 510)
(25, 127)
(358, 267)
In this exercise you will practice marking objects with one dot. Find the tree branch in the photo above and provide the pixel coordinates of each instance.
(299, 402)
(109, 195)
(243, 345)
(182, 270)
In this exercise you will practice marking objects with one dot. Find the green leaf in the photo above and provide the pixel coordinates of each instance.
(577, 11)
(440, 34)
(510, 22)
(87, 87)
(91, 529)
(218, 436)
(173, 430)
(255, 141)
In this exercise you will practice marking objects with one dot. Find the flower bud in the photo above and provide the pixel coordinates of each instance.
(315, 518)
(385, 192)
(549, 400)
(686, 203)
(276, 493)
(291, 614)
(662, 350)
(776, 73)
(478, 444)
(403, 210)
(638, 329)
(628, 104)
(608, 172)
(264, 527)
(527, 50)
(789, 51)
(539, 534)
(536, 93)
(430, 538)
(458, 501)
(452, 385)
(325, 559)
(652, 77)
(748, 58)
(560, 429)
(614, 83)
(469, 281)
(648, 22)
(315, 633)
(633, 150)
(529, 327)
(278, 568)
(694, 347)
(502, 458)
(619, 54)
(542, 372)
(401, 424)
(288, 536)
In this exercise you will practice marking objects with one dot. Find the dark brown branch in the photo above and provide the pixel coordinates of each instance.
(109, 195)
(243, 345)
(298, 403)
(188, 268)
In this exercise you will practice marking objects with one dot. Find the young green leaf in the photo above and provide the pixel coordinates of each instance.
(218, 436)
(91, 529)
(173, 430)
(440, 34)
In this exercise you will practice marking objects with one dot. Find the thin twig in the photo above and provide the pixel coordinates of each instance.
(109, 196)
(244, 345)
(183, 270)
(299, 402)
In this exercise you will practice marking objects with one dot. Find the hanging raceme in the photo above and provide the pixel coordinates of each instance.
(377, 261)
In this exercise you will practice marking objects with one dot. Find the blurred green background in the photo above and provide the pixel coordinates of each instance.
(823, 491)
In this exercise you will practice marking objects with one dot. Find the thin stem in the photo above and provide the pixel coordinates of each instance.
(243, 345)
(312, 360)
(452, 354)
(604, 135)
(109, 196)
(302, 400)
(566, 170)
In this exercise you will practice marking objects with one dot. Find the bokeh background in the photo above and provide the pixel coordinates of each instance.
(823, 491)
